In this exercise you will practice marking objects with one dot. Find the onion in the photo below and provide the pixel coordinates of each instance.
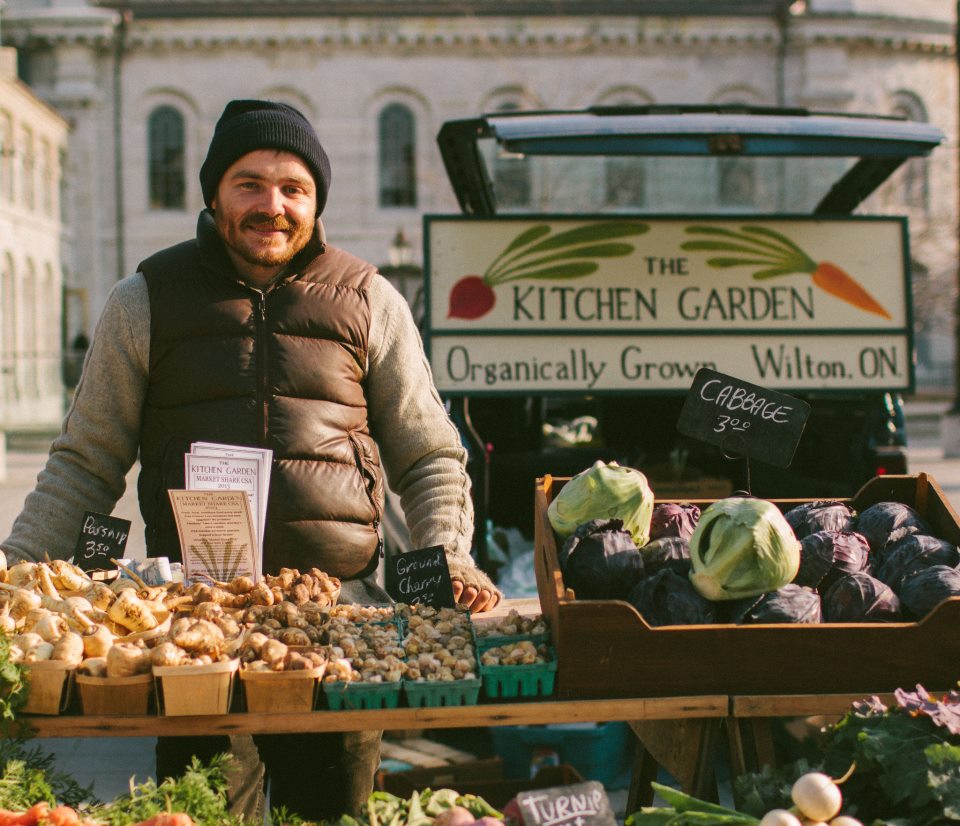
(816, 796)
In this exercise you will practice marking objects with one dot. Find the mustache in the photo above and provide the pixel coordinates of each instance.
(277, 222)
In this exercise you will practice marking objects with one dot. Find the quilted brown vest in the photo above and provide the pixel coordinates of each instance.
(283, 370)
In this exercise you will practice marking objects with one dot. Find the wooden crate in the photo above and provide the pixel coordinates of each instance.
(606, 649)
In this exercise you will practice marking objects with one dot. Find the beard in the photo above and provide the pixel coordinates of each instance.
(264, 252)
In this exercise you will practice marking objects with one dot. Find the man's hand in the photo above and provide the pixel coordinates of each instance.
(477, 600)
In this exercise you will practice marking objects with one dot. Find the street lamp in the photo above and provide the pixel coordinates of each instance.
(400, 252)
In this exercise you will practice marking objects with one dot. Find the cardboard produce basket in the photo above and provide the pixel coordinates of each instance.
(115, 696)
(51, 683)
(186, 690)
(278, 691)
(606, 649)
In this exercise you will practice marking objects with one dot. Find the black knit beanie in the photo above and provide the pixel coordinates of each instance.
(248, 125)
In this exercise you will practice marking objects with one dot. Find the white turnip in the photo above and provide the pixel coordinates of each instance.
(816, 796)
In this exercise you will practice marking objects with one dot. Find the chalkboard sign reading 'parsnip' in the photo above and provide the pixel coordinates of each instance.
(102, 538)
(421, 577)
(743, 419)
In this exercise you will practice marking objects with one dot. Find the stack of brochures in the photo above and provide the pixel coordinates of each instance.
(217, 467)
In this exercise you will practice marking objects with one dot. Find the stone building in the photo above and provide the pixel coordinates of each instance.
(33, 142)
(142, 83)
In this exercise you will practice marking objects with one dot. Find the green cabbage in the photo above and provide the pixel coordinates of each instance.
(742, 547)
(605, 490)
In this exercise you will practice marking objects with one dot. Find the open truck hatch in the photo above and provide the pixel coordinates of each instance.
(733, 171)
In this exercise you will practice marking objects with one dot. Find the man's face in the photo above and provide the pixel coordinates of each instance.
(265, 210)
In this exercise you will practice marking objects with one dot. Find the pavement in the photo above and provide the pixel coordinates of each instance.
(108, 764)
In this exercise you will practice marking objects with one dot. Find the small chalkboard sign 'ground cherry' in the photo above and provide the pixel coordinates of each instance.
(539, 253)
(777, 255)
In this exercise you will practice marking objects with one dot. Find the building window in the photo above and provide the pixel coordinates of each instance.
(6, 156)
(166, 159)
(398, 164)
(46, 178)
(28, 167)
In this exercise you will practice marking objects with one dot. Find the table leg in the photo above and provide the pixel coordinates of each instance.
(686, 749)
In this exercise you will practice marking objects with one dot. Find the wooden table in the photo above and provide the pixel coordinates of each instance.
(530, 712)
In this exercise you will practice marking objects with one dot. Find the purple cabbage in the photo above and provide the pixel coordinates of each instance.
(790, 604)
(673, 519)
(887, 522)
(667, 552)
(600, 560)
(924, 590)
(861, 598)
(821, 515)
(669, 598)
(827, 555)
(914, 553)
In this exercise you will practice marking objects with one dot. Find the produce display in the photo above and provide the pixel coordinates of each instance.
(743, 560)
(878, 765)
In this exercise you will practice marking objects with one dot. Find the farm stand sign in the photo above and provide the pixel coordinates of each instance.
(551, 304)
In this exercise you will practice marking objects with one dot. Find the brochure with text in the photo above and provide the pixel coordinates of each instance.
(216, 534)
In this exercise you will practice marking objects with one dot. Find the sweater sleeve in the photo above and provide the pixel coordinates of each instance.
(97, 443)
(423, 456)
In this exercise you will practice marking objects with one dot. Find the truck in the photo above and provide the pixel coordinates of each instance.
(602, 256)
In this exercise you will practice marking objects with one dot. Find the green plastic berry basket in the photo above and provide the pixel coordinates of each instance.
(442, 692)
(344, 696)
(535, 680)
(491, 641)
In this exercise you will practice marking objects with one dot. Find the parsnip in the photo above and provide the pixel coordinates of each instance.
(51, 627)
(126, 660)
(22, 600)
(68, 649)
(22, 575)
(167, 653)
(69, 576)
(38, 653)
(93, 667)
(131, 612)
(99, 595)
(97, 638)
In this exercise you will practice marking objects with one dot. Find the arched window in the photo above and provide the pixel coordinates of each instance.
(165, 136)
(398, 157)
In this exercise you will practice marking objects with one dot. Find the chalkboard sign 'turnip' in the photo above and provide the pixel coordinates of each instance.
(581, 804)
(743, 419)
(421, 577)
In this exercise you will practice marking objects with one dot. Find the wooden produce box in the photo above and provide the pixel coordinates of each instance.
(606, 649)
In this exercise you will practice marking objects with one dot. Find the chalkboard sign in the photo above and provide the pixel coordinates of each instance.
(101, 539)
(743, 419)
(577, 805)
(421, 577)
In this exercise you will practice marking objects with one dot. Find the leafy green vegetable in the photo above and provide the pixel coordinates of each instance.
(604, 490)
(685, 810)
(201, 793)
(742, 547)
(14, 689)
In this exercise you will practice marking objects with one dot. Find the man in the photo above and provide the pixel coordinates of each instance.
(258, 333)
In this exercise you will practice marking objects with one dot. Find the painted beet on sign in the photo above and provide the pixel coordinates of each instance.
(539, 253)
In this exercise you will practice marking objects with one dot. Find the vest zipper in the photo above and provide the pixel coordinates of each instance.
(262, 341)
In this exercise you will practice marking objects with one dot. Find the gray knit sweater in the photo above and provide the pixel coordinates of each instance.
(422, 455)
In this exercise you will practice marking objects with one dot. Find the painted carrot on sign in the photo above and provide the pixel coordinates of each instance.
(775, 255)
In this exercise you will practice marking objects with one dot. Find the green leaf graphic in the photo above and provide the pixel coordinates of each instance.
(528, 236)
(736, 262)
(569, 238)
(727, 246)
(778, 248)
(595, 251)
(561, 271)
